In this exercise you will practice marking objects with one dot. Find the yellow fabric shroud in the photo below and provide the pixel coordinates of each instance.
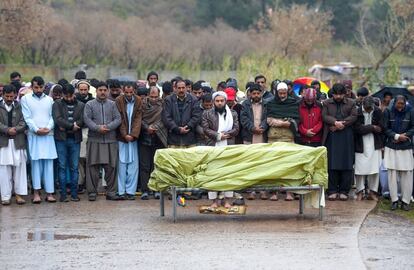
(239, 167)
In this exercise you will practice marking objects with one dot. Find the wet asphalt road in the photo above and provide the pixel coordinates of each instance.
(386, 241)
(132, 235)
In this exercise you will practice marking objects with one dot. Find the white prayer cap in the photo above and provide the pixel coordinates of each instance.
(281, 86)
(219, 93)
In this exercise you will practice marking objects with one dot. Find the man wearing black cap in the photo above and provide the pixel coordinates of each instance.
(361, 93)
(339, 114)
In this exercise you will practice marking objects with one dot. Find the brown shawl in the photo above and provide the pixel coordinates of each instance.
(151, 116)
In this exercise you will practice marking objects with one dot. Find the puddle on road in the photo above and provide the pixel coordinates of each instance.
(50, 236)
(41, 236)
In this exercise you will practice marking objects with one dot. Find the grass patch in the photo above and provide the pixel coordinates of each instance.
(384, 206)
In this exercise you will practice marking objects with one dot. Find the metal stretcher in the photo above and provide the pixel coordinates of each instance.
(175, 191)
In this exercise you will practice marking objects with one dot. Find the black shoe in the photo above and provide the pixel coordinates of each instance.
(75, 199)
(130, 197)
(63, 199)
(196, 196)
(92, 197)
(144, 196)
(239, 202)
(121, 197)
(405, 207)
(112, 197)
(394, 206)
(81, 189)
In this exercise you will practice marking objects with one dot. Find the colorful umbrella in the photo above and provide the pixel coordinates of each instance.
(307, 81)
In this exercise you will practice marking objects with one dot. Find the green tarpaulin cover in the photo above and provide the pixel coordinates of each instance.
(238, 167)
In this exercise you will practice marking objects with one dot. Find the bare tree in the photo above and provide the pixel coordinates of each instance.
(21, 21)
(96, 34)
(395, 30)
(40, 34)
(294, 31)
(56, 43)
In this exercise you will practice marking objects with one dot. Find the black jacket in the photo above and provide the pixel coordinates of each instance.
(89, 97)
(267, 95)
(407, 127)
(60, 116)
(237, 108)
(247, 120)
(360, 129)
(173, 120)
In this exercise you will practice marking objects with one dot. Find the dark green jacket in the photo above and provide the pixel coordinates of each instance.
(17, 122)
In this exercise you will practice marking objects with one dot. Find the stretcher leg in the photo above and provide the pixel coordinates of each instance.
(301, 204)
(162, 204)
(321, 193)
(174, 203)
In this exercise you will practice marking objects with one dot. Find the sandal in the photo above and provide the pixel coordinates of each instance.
(360, 196)
(50, 199)
(36, 201)
(372, 196)
(20, 200)
(289, 197)
(252, 196)
(263, 195)
(333, 197)
(343, 197)
(274, 198)
(227, 205)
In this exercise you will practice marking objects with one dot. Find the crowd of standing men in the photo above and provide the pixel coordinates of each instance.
(88, 130)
